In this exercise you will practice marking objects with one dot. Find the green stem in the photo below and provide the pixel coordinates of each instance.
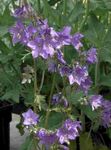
(83, 120)
(48, 111)
(38, 6)
(35, 78)
(65, 7)
(35, 84)
(86, 15)
(13, 4)
(97, 74)
(42, 81)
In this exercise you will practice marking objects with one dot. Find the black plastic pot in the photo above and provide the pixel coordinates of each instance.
(5, 119)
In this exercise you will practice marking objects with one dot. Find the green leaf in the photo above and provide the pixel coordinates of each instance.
(76, 12)
(102, 4)
(75, 97)
(105, 80)
(4, 48)
(86, 142)
(6, 19)
(12, 94)
(92, 115)
(28, 144)
(95, 31)
(105, 50)
(54, 121)
(3, 30)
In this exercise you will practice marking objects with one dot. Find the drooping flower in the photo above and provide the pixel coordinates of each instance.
(17, 32)
(22, 11)
(30, 32)
(65, 70)
(26, 78)
(47, 138)
(95, 101)
(106, 113)
(78, 75)
(69, 131)
(76, 41)
(86, 84)
(60, 57)
(63, 37)
(30, 118)
(36, 46)
(52, 66)
(27, 74)
(91, 56)
(56, 98)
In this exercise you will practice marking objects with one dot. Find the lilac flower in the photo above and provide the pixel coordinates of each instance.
(76, 41)
(91, 56)
(65, 70)
(30, 31)
(63, 38)
(60, 57)
(21, 11)
(85, 85)
(56, 98)
(18, 32)
(69, 131)
(65, 102)
(52, 66)
(63, 147)
(46, 138)
(30, 118)
(36, 46)
(106, 113)
(42, 44)
(78, 75)
(95, 101)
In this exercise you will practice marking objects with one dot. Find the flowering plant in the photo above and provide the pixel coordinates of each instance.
(56, 119)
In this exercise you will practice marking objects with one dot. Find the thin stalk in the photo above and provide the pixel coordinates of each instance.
(48, 111)
(86, 15)
(35, 79)
(65, 7)
(97, 74)
(38, 6)
(13, 4)
(35, 84)
(35, 146)
(42, 81)
(83, 120)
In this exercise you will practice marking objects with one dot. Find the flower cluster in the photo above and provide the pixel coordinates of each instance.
(97, 101)
(69, 130)
(43, 41)
(106, 113)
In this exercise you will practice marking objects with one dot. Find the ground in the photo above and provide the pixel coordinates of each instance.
(15, 138)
